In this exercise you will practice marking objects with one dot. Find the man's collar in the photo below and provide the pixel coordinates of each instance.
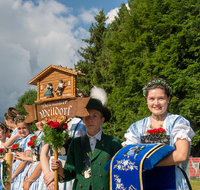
(97, 136)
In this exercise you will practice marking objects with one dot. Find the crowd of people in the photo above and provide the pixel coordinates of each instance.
(27, 174)
(91, 149)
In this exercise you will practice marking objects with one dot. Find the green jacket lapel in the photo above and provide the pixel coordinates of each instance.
(99, 146)
(87, 141)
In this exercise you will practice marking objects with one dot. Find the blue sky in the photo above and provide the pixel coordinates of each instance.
(77, 6)
(37, 33)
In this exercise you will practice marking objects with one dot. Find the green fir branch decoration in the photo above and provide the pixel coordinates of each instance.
(6, 176)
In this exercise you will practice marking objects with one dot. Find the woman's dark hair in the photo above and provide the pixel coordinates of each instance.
(11, 113)
(3, 126)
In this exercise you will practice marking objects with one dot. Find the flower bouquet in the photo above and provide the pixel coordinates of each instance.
(155, 136)
(34, 149)
(16, 148)
(55, 135)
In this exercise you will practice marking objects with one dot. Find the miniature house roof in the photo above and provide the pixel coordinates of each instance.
(49, 69)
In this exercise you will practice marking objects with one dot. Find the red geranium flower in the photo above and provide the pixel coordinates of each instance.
(1, 149)
(33, 138)
(65, 126)
(30, 143)
(156, 131)
(8, 136)
(15, 146)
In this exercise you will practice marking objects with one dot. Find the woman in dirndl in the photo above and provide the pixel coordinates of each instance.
(158, 93)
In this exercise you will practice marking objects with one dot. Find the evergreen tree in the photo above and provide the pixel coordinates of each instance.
(112, 33)
(28, 98)
(153, 38)
(91, 53)
(156, 39)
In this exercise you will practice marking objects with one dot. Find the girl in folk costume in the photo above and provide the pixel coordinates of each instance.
(158, 93)
(88, 155)
(33, 172)
(3, 133)
(22, 159)
(9, 118)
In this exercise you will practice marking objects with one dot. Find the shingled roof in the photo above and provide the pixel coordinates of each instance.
(49, 69)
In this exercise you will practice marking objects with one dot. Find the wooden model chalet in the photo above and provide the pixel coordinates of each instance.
(56, 83)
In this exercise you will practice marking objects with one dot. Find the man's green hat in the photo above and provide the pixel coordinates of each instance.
(98, 100)
(97, 105)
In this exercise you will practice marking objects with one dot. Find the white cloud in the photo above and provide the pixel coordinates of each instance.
(15, 73)
(51, 49)
(81, 33)
(31, 38)
(112, 14)
(87, 16)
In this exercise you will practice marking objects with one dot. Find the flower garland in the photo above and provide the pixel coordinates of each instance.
(19, 118)
(9, 115)
(6, 175)
(157, 81)
(55, 134)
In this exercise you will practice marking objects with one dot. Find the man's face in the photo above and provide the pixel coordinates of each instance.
(93, 121)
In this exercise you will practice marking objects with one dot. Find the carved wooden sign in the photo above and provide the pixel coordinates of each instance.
(69, 108)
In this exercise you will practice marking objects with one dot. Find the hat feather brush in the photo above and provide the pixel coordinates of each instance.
(100, 94)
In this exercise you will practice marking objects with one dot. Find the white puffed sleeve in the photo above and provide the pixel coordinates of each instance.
(135, 131)
(130, 138)
(182, 130)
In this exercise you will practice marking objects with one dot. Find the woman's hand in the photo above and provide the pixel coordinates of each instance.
(12, 177)
(22, 156)
(48, 178)
(56, 164)
(51, 186)
(26, 185)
